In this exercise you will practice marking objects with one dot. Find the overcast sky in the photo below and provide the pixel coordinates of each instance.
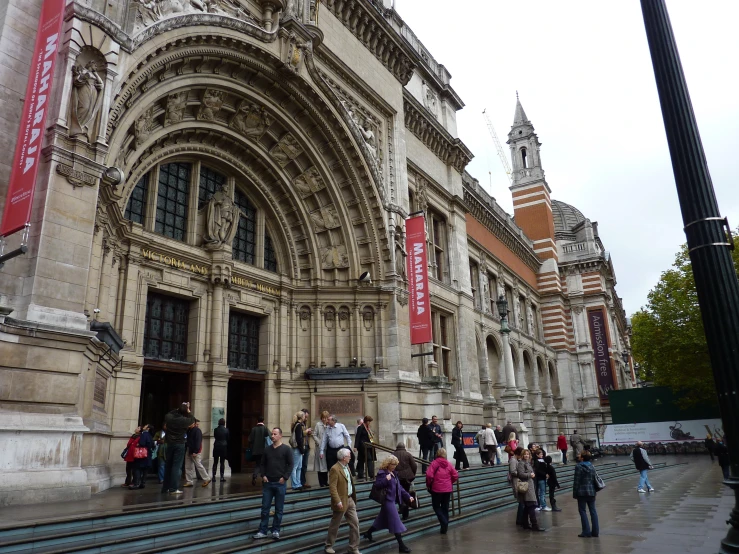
(584, 75)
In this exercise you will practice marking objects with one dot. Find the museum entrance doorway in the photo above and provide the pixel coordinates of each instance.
(245, 405)
(163, 388)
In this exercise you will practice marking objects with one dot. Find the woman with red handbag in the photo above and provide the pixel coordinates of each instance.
(127, 456)
(142, 458)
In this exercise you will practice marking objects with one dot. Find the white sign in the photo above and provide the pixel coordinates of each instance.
(663, 431)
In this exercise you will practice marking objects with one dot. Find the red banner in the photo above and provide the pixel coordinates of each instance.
(17, 212)
(420, 308)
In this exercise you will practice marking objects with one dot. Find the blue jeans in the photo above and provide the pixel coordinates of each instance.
(297, 466)
(541, 493)
(270, 491)
(425, 455)
(588, 501)
(161, 462)
(644, 480)
(725, 471)
(173, 467)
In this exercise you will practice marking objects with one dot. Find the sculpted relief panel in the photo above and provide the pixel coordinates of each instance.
(250, 120)
(149, 12)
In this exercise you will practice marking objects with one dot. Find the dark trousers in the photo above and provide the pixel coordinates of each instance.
(520, 513)
(257, 459)
(440, 503)
(323, 478)
(365, 456)
(406, 484)
(492, 453)
(173, 467)
(277, 492)
(484, 457)
(129, 473)
(564, 455)
(589, 501)
(216, 459)
(331, 457)
(303, 469)
(139, 476)
(725, 470)
(461, 456)
(425, 455)
(552, 503)
(529, 516)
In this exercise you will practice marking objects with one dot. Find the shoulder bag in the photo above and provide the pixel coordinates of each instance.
(293, 442)
(522, 486)
(598, 482)
(377, 494)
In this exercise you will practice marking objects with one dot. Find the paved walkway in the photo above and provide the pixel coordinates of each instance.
(686, 514)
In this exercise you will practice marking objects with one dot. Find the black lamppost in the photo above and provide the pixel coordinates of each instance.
(502, 305)
(708, 236)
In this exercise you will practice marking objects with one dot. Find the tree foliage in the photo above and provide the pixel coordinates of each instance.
(668, 339)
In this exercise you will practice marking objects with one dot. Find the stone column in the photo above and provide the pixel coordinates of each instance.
(216, 324)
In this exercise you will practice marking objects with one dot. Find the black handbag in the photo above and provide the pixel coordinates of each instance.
(125, 451)
(377, 494)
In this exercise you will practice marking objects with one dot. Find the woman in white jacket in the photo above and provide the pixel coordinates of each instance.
(320, 463)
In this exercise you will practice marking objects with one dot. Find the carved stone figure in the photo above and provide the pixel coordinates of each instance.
(286, 150)
(400, 255)
(308, 182)
(334, 257)
(294, 8)
(250, 119)
(222, 219)
(369, 137)
(148, 11)
(87, 96)
(142, 127)
(430, 100)
(422, 199)
(501, 289)
(530, 318)
(212, 102)
(176, 104)
(325, 218)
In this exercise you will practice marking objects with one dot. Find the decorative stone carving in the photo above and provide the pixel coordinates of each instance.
(430, 100)
(422, 198)
(74, 177)
(369, 137)
(308, 182)
(325, 218)
(292, 51)
(368, 318)
(222, 219)
(304, 317)
(87, 97)
(501, 288)
(400, 255)
(142, 127)
(344, 318)
(286, 150)
(329, 317)
(577, 309)
(212, 102)
(334, 257)
(293, 8)
(530, 318)
(176, 104)
(149, 12)
(250, 119)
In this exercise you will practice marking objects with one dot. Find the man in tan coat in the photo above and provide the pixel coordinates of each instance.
(343, 502)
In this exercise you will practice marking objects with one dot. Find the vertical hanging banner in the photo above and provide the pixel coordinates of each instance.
(601, 357)
(418, 280)
(17, 212)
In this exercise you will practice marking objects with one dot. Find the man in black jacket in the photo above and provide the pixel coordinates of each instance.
(194, 461)
(426, 440)
(276, 467)
(641, 460)
(176, 424)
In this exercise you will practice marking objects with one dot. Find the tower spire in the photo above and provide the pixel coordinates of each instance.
(519, 118)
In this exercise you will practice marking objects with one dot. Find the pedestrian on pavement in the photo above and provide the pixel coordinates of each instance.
(525, 474)
(500, 440)
(641, 460)
(363, 447)
(161, 453)
(710, 445)
(438, 436)
(176, 423)
(406, 472)
(318, 461)
(577, 443)
(297, 443)
(458, 443)
(491, 444)
(276, 467)
(426, 441)
(336, 437)
(513, 458)
(540, 469)
(722, 453)
(343, 503)
(127, 455)
(507, 430)
(194, 462)
(307, 431)
(388, 517)
(257, 443)
(552, 483)
(583, 490)
(440, 479)
(141, 465)
(512, 441)
(220, 448)
(480, 439)
(562, 446)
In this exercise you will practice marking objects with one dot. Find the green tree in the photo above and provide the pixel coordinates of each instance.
(668, 340)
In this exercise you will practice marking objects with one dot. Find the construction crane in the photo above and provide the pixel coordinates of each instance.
(498, 146)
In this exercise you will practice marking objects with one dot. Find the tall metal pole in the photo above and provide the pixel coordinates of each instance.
(708, 236)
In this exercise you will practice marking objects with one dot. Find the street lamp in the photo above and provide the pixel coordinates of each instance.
(505, 331)
(502, 304)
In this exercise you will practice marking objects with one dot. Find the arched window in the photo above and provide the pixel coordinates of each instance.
(136, 208)
(524, 161)
(245, 241)
(210, 182)
(173, 195)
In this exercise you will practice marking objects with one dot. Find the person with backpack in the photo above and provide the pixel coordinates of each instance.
(257, 443)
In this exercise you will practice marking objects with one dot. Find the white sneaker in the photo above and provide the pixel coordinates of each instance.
(547, 509)
(260, 535)
(651, 490)
(640, 490)
(175, 492)
(537, 509)
(276, 535)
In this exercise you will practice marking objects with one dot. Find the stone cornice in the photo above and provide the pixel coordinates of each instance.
(367, 23)
(492, 221)
(450, 150)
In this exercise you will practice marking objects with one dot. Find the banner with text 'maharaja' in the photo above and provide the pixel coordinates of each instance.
(601, 356)
(17, 212)
(418, 280)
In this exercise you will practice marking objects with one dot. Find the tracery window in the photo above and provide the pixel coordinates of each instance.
(165, 328)
(438, 242)
(136, 208)
(172, 200)
(440, 333)
(270, 256)
(245, 241)
(210, 182)
(243, 341)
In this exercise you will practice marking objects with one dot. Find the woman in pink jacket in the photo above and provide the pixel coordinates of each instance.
(440, 478)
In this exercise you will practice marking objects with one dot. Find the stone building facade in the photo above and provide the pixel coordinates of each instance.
(216, 177)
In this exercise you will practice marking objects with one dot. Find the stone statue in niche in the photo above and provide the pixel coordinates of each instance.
(501, 290)
(142, 127)
(212, 102)
(250, 119)
(294, 8)
(530, 318)
(422, 199)
(286, 150)
(176, 104)
(308, 182)
(222, 219)
(485, 293)
(87, 96)
(368, 135)
(148, 11)
(400, 255)
(334, 257)
(430, 100)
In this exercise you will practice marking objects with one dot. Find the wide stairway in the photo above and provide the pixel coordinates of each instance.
(226, 525)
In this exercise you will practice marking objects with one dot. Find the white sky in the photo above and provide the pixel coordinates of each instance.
(584, 75)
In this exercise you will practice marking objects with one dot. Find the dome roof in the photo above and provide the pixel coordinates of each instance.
(565, 217)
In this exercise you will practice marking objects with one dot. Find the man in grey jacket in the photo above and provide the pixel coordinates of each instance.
(641, 460)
